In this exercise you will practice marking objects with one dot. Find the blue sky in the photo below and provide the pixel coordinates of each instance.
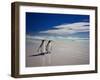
(57, 26)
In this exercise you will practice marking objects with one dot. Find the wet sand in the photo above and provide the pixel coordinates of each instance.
(66, 52)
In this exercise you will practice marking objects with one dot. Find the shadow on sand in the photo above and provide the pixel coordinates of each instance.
(40, 54)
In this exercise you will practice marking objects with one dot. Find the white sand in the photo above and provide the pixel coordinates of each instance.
(69, 52)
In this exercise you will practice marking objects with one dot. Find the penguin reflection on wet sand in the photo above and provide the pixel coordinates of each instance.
(41, 48)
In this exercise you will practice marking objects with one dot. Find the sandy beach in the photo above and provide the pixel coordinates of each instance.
(64, 52)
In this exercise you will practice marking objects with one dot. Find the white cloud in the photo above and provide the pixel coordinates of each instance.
(62, 32)
(68, 28)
